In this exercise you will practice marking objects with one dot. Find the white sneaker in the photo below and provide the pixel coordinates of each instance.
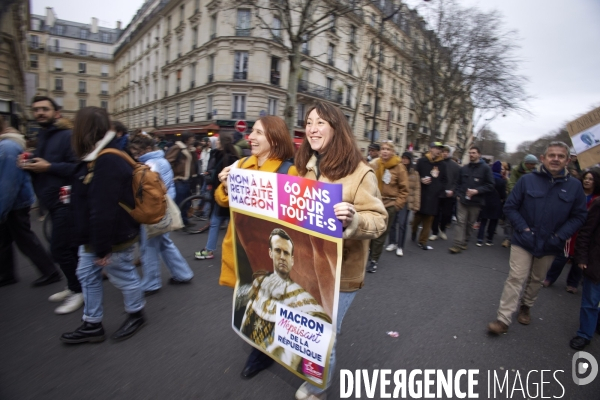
(433, 237)
(304, 393)
(71, 303)
(399, 252)
(60, 296)
(443, 236)
(391, 247)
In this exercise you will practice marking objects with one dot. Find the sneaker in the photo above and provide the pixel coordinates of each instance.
(433, 237)
(372, 267)
(305, 392)
(579, 343)
(399, 252)
(72, 303)
(425, 247)
(454, 218)
(455, 249)
(443, 235)
(497, 327)
(524, 316)
(506, 243)
(60, 296)
(479, 243)
(391, 247)
(204, 255)
(489, 243)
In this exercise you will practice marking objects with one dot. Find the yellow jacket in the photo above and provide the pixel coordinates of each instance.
(228, 276)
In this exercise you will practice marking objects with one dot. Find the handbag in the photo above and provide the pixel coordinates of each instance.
(170, 222)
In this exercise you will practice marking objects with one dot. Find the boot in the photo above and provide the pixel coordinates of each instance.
(524, 316)
(88, 332)
(130, 327)
(497, 327)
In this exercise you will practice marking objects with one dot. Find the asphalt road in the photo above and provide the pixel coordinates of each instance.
(439, 304)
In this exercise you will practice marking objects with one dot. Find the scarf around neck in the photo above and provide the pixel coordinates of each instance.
(434, 160)
(382, 166)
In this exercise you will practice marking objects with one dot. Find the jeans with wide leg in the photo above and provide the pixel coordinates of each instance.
(121, 273)
(213, 231)
(62, 249)
(588, 313)
(152, 250)
(398, 231)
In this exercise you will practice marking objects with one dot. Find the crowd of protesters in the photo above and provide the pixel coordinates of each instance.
(81, 173)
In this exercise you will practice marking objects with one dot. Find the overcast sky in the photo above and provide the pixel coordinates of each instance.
(559, 47)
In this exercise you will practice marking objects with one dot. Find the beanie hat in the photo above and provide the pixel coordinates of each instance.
(497, 167)
(530, 159)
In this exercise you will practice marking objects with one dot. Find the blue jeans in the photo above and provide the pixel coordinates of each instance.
(588, 314)
(182, 191)
(152, 250)
(556, 268)
(213, 231)
(121, 273)
(398, 230)
(345, 300)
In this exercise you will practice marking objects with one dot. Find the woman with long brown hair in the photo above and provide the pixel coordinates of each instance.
(329, 153)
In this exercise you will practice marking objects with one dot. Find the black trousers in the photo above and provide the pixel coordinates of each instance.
(63, 251)
(17, 229)
(444, 215)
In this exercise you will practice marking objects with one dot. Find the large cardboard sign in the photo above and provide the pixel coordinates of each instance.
(288, 254)
(585, 135)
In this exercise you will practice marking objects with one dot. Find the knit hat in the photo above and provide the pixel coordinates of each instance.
(530, 159)
(497, 167)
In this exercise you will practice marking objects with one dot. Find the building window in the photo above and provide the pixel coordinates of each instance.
(350, 63)
(239, 106)
(83, 34)
(301, 111)
(209, 106)
(56, 45)
(276, 27)
(275, 75)
(105, 37)
(192, 75)
(166, 115)
(104, 104)
(167, 48)
(242, 27)
(58, 64)
(330, 53)
(104, 70)
(33, 61)
(104, 88)
(305, 47)
(181, 13)
(177, 113)
(196, 6)
(35, 41)
(166, 86)
(192, 109)
(213, 26)
(59, 29)
(352, 34)
(58, 84)
(272, 108)
(241, 65)
(179, 47)
(82, 87)
(349, 95)
(329, 83)
(36, 24)
(82, 103)
(82, 68)
(82, 49)
(194, 37)
(178, 86)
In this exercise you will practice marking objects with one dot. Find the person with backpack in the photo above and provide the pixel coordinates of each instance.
(272, 150)
(142, 146)
(184, 163)
(222, 157)
(104, 230)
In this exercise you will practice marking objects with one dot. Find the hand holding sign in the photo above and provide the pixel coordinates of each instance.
(344, 212)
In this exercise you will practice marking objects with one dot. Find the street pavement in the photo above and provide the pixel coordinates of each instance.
(438, 303)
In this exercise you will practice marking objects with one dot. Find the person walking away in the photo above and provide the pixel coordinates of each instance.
(224, 156)
(183, 162)
(105, 232)
(529, 163)
(16, 198)
(392, 180)
(329, 153)
(142, 146)
(545, 208)
(398, 231)
(591, 189)
(434, 180)
(491, 211)
(272, 148)
(443, 218)
(52, 169)
(587, 254)
(474, 181)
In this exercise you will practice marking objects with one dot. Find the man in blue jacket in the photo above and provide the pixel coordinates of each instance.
(53, 168)
(545, 208)
(16, 198)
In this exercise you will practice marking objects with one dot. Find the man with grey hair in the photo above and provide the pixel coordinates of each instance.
(545, 208)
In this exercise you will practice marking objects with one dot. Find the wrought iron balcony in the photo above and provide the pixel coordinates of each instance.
(275, 78)
(238, 115)
(240, 76)
(242, 32)
(319, 91)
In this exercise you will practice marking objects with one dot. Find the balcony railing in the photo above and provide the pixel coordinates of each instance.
(275, 77)
(411, 126)
(79, 52)
(242, 32)
(238, 115)
(241, 76)
(319, 91)
(104, 92)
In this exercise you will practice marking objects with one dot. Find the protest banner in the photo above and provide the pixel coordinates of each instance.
(585, 135)
(288, 254)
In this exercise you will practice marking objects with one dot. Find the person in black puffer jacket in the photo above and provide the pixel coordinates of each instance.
(105, 232)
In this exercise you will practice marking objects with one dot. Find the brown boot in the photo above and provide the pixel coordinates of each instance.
(524, 316)
(497, 327)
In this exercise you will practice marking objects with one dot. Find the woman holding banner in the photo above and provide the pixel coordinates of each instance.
(329, 153)
(271, 147)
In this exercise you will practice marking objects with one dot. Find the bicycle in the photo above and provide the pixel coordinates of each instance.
(198, 208)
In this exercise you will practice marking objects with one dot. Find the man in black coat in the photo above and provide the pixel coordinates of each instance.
(474, 180)
(52, 170)
(447, 198)
(432, 170)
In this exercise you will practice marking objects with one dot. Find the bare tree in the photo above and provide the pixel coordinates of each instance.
(464, 63)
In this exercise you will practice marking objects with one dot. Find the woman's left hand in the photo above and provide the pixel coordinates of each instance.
(344, 212)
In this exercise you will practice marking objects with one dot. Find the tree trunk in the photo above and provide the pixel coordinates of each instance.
(292, 88)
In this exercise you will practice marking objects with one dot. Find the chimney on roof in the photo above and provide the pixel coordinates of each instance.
(94, 28)
(50, 17)
(119, 25)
